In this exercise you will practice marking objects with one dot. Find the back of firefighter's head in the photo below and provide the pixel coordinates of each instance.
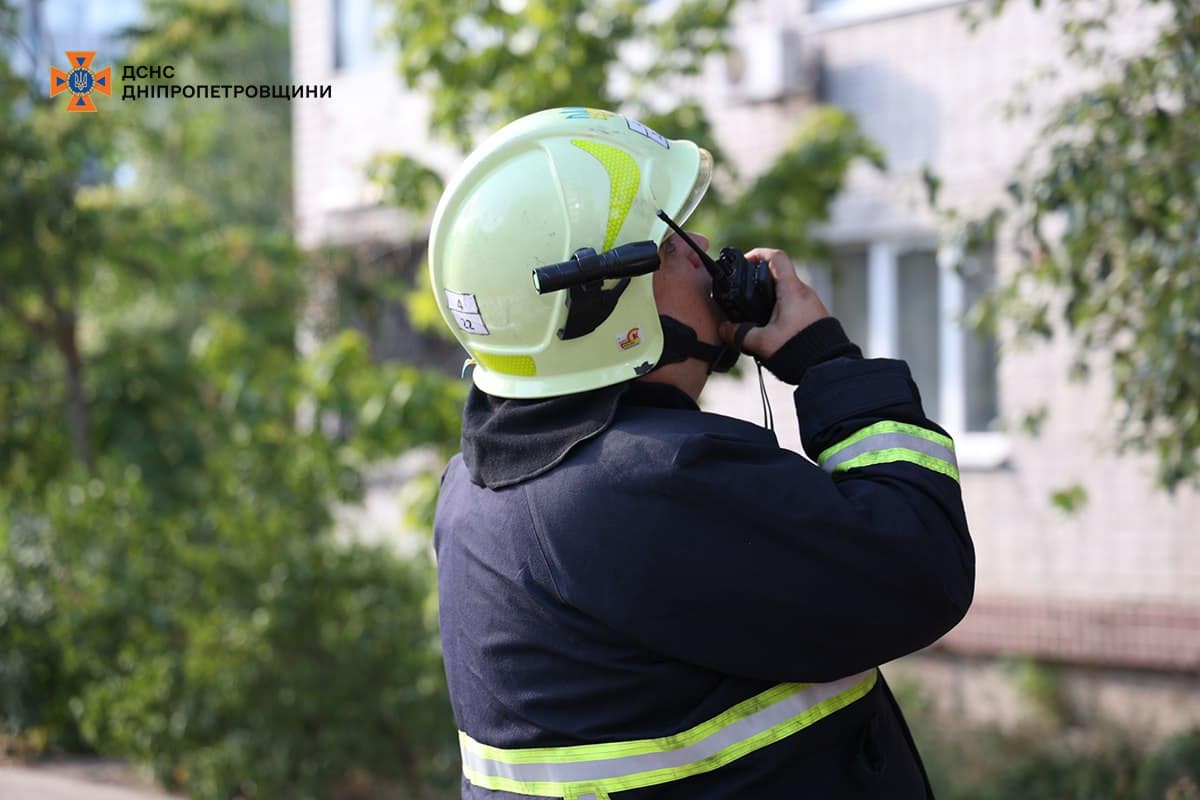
(536, 191)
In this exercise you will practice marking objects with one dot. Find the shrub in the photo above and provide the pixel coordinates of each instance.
(1045, 759)
(232, 648)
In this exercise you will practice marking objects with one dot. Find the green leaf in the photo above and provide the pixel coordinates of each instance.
(1069, 500)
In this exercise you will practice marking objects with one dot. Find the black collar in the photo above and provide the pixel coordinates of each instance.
(507, 441)
(659, 395)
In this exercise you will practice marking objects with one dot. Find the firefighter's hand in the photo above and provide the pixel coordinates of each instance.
(796, 307)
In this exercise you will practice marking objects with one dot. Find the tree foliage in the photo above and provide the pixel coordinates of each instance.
(1106, 213)
(170, 586)
(231, 155)
(1048, 755)
(486, 63)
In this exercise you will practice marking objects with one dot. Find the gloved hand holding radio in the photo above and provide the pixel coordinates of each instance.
(800, 331)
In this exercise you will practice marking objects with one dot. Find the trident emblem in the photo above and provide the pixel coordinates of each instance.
(80, 81)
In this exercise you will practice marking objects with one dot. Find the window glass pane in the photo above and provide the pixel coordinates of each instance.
(339, 25)
(847, 299)
(979, 352)
(357, 25)
(917, 287)
(820, 277)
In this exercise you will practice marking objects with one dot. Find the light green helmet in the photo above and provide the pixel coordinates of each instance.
(531, 195)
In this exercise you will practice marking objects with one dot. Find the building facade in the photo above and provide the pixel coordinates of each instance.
(1111, 589)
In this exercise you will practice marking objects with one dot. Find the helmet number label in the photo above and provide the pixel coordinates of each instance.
(465, 311)
(648, 132)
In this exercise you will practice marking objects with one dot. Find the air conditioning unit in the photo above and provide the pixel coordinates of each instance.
(770, 61)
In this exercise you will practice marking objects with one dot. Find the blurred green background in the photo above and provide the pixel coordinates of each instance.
(190, 400)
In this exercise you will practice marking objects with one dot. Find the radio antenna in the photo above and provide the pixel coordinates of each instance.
(709, 264)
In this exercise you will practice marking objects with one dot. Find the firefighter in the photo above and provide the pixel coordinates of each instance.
(639, 599)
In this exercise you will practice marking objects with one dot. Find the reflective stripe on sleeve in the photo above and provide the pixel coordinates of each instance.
(589, 770)
(889, 441)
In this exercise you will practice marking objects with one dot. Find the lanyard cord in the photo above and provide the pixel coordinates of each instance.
(768, 415)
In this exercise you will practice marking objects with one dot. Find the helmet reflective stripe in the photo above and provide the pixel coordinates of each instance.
(575, 772)
(623, 179)
(889, 441)
(507, 365)
(536, 191)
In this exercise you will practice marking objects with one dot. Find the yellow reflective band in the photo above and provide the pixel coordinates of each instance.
(594, 770)
(886, 442)
(506, 365)
(599, 794)
(888, 426)
(893, 454)
(623, 180)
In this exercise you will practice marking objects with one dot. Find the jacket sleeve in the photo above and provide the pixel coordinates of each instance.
(750, 560)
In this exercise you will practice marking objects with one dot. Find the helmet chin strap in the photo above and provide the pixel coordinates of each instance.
(681, 343)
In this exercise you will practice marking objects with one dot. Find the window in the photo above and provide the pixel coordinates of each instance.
(357, 26)
(901, 299)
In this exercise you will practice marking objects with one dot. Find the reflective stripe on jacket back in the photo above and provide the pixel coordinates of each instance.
(593, 771)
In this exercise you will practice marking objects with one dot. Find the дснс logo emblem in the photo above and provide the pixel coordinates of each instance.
(80, 81)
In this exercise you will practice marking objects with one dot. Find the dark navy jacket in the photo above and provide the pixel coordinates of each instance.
(655, 565)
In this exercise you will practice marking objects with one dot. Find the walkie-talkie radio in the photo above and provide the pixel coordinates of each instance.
(744, 290)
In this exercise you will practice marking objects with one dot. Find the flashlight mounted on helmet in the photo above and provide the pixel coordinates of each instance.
(587, 266)
(583, 275)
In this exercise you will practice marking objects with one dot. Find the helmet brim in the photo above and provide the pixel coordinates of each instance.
(699, 189)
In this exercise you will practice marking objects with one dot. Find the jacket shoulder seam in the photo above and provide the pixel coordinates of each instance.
(537, 538)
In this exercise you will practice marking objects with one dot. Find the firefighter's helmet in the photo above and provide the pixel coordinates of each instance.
(533, 194)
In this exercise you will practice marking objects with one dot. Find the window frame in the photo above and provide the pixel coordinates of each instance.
(975, 449)
(852, 12)
(344, 58)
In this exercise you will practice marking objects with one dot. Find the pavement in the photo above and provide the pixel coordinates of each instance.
(76, 780)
